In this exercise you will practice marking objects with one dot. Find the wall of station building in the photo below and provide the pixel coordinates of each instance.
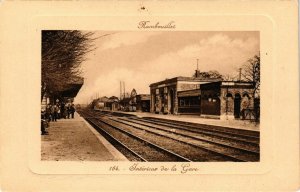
(210, 101)
(225, 102)
(164, 98)
(228, 102)
(234, 100)
(189, 104)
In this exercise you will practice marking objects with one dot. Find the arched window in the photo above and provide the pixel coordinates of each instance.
(245, 94)
(228, 95)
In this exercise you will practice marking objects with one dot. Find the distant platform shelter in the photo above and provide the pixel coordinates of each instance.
(205, 97)
(105, 103)
(143, 102)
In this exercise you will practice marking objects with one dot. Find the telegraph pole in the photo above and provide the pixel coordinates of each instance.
(240, 74)
(124, 88)
(120, 89)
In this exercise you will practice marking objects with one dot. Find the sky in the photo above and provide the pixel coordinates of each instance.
(142, 58)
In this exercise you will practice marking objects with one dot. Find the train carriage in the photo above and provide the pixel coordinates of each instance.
(99, 106)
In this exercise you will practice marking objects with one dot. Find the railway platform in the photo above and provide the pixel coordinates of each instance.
(75, 140)
(235, 124)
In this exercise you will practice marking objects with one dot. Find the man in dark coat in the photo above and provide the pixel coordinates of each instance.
(72, 110)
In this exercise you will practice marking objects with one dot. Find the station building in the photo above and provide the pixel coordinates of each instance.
(227, 99)
(112, 103)
(143, 102)
(212, 98)
(137, 102)
(105, 103)
(177, 95)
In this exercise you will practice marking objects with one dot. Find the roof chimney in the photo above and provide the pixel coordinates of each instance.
(197, 71)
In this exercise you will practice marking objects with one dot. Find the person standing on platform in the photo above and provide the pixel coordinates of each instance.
(65, 111)
(43, 123)
(54, 111)
(72, 110)
(48, 112)
(62, 110)
(69, 110)
(58, 111)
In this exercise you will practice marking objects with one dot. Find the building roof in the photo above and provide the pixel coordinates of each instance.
(189, 93)
(186, 79)
(229, 84)
(125, 100)
(103, 99)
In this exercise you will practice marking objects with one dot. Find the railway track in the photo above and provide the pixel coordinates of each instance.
(234, 153)
(142, 149)
(187, 141)
(237, 134)
(202, 136)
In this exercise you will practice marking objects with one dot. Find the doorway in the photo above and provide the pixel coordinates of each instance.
(171, 99)
(237, 105)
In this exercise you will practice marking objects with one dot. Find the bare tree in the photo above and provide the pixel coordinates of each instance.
(212, 74)
(251, 73)
(228, 77)
(63, 51)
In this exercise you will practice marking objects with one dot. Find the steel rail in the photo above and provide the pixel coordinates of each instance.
(143, 140)
(197, 146)
(203, 132)
(174, 124)
(193, 137)
(147, 142)
(98, 128)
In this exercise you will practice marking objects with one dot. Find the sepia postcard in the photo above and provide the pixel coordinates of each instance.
(149, 96)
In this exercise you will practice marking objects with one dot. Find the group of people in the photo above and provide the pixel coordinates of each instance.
(56, 111)
(60, 110)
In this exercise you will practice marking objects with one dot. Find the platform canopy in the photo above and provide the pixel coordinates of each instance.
(72, 88)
